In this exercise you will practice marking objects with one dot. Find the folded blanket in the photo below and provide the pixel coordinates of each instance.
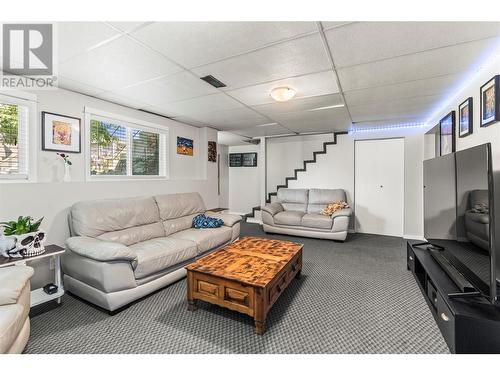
(202, 221)
(331, 208)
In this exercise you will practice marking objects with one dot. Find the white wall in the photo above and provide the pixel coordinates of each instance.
(50, 198)
(244, 188)
(224, 176)
(285, 154)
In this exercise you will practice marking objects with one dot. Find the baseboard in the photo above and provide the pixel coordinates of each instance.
(254, 220)
(413, 237)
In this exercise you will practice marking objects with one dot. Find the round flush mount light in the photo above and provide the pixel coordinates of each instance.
(282, 94)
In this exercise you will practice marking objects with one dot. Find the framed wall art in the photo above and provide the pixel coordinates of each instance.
(212, 151)
(184, 146)
(61, 133)
(447, 134)
(465, 118)
(490, 101)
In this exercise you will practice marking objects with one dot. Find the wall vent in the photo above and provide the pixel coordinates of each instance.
(213, 81)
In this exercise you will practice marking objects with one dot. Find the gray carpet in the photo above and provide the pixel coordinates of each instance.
(354, 297)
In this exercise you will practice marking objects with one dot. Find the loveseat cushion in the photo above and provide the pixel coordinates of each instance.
(317, 221)
(205, 239)
(13, 281)
(12, 319)
(319, 198)
(289, 218)
(159, 254)
(293, 199)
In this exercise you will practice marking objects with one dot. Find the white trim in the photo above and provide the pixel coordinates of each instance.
(413, 237)
(32, 134)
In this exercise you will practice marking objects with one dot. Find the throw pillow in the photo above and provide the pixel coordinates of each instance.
(333, 207)
(202, 221)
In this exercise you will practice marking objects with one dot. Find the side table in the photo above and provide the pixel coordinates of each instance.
(38, 296)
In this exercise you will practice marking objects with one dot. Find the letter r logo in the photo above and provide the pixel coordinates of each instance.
(27, 49)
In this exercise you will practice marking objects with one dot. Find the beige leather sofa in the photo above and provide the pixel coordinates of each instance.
(14, 308)
(124, 249)
(297, 212)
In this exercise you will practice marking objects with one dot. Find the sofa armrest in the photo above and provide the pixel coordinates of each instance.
(229, 219)
(342, 212)
(103, 251)
(12, 281)
(273, 208)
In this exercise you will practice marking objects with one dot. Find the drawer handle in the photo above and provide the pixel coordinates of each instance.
(445, 317)
(411, 258)
(278, 288)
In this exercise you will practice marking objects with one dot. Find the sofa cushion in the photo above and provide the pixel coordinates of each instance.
(172, 226)
(172, 206)
(289, 218)
(93, 218)
(12, 319)
(13, 280)
(159, 254)
(293, 199)
(206, 239)
(319, 198)
(134, 235)
(317, 221)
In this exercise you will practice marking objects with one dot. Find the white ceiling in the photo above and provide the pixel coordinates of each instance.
(383, 72)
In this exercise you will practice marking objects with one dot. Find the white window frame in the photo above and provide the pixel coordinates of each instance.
(30, 156)
(128, 123)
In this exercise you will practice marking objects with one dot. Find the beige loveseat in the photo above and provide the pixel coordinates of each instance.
(124, 249)
(297, 212)
(14, 308)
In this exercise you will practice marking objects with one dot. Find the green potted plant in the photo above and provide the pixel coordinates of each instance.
(28, 239)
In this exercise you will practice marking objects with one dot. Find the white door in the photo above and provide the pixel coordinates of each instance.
(379, 186)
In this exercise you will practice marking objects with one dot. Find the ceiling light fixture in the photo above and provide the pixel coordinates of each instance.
(282, 94)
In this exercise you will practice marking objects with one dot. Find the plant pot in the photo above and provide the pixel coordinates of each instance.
(29, 244)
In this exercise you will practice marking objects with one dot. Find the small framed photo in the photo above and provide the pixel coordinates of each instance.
(447, 134)
(465, 118)
(61, 133)
(490, 101)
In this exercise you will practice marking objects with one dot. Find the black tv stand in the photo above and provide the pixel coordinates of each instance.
(468, 322)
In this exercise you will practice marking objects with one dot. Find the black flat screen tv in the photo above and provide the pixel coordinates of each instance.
(459, 215)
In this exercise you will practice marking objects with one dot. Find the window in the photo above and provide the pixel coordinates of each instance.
(122, 148)
(14, 140)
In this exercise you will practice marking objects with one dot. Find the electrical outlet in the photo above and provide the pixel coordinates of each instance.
(52, 264)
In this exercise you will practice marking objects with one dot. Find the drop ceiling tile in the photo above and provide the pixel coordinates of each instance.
(231, 119)
(129, 26)
(381, 94)
(321, 83)
(439, 62)
(411, 108)
(190, 121)
(361, 42)
(159, 110)
(230, 139)
(292, 58)
(69, 84)
(197, 107)
(195, 43)
(299, 105)
(118, 99)
(331, 24)
(117, 64)
(335, 119)
(174, 87)
(74, 38)
(263, 131)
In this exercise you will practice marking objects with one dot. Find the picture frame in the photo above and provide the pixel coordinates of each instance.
(465, 118)
(447, 134)
(489, 95)
(212, 151)
(185, 146)
(61, 133)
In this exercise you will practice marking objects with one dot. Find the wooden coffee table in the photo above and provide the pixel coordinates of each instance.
(247, 276)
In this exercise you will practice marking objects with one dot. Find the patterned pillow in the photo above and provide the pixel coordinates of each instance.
(331, 208)
(202, 221)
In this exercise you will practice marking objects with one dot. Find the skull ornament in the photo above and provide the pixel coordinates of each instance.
(30, 244)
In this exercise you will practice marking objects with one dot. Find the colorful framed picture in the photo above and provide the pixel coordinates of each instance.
(212, 151)
(61, 133)
(447, 134)
(490, 101)
(465, 118)
(184, 146)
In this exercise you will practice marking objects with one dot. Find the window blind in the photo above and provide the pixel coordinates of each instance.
(14, 140)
